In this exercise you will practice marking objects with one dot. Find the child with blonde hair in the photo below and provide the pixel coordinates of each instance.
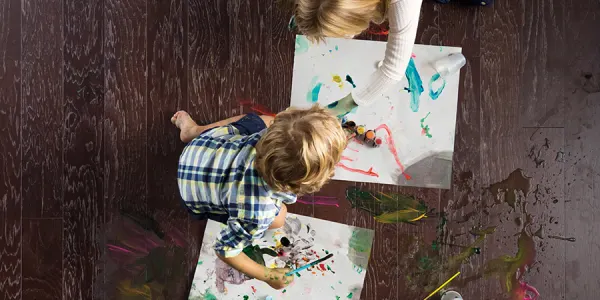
(243, 170)
(317, 19)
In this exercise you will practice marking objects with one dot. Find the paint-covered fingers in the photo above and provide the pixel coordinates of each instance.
(277, 278)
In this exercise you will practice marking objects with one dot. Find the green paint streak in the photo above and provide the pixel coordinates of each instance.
(302, 45)
(377, 203)
(507, 267)
(337, 297)
(284, 291)
(349, 295)
(425, 128)
(246, 297)
(326, 252)
(298, 274)
(208, 295)
(200, 262)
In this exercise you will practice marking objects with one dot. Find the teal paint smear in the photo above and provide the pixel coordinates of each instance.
(208, 295)
(302, 44)
(350, 80)
(354, 110)
(435, 94)
(313, 92)
(415, 85)
(336, 48)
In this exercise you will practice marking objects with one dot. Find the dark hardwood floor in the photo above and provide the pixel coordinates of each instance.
(87, 89)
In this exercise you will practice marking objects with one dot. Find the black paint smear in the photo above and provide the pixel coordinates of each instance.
(349, 79)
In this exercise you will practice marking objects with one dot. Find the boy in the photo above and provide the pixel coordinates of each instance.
(243, 170)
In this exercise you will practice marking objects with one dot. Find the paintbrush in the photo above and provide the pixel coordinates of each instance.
(312, 264)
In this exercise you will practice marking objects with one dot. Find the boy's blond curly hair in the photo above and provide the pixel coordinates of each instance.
(299, 151)
(317, 19)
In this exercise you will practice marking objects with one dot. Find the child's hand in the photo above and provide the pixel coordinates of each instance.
(277, 279)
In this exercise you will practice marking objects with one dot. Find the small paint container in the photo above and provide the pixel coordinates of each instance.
(450, 64)
(451, 295)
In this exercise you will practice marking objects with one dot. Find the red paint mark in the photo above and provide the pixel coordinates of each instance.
(351, 149)
(423, 131)
(257, 107)
(347, 158)
(117, 248)
(376, 29)
(253, 289)
(368, 172)
(322, 266)
(392, 147)
(413, 55)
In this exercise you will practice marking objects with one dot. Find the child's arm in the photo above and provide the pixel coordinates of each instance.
(274, 277)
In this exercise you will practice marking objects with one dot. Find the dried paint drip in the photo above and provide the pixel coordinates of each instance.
(319, 200)
(415, 84)
(511, 186)
(392, 147)
(387, 208)
(424, 127)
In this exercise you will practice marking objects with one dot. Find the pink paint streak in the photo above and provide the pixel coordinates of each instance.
(351, 149)
(413, 55)
(347, 158)
(368, 172)
(117, 248)
(525, 289)
(392, 147)
(319, 200)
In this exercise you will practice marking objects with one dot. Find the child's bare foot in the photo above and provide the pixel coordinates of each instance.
(189, 128)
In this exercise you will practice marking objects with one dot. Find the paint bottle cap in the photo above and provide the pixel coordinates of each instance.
(378, 141)
(450, 64)
(370, 134)
(451, 295)
(360, 129)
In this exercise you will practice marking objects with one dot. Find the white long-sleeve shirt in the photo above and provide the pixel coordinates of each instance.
(403, 18)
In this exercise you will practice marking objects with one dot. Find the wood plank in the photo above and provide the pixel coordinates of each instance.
(282, 39)
(209, 34)
(83, 148)
(541, 51)
(125, 106)
(42, 126)
(582, 128)
(10, 150)
(42, 259)
(167, 92)
(250, 33)
(460, 27)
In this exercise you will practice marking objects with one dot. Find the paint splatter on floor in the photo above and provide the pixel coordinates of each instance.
(415, 85)
(510, 187)
(318, 200)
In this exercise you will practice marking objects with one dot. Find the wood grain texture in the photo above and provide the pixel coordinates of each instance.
(541, 52)
(42, 270)
(209, 34)
(125, 106)
(83, 148)
(461, 28)
(167, 92)
(10, 150)
(582, 128)
(43, 107)
(250, 33)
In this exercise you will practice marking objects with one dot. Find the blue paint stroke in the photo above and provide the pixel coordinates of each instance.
(313, 91)
(415, 84)
(435, 94)
(302, 44)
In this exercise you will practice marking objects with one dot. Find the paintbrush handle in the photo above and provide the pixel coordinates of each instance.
(314, 263)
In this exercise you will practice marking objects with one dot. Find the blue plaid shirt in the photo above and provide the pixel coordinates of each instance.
(217, 177)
